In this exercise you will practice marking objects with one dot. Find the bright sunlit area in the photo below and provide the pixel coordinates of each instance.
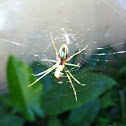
(62, 63)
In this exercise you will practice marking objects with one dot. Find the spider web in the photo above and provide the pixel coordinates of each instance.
(35, 43)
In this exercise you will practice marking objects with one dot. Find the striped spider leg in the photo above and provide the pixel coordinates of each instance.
(44, 74)
(68, 73)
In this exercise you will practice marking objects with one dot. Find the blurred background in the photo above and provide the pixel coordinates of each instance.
(25, 28)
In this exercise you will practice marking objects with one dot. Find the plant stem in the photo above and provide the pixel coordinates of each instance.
(122, 102)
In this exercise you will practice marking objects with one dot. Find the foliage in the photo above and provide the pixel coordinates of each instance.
(25, 99)
(100, 103)
(7, 114)
(85, 114)
(96, 85)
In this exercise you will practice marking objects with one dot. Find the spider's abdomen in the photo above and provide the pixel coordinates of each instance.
(58, 71)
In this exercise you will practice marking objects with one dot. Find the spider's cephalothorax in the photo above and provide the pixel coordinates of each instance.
(62, 58)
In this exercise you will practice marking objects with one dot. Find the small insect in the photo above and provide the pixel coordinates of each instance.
(62, 59)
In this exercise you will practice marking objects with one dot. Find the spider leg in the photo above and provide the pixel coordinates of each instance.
(69, 64)
(54, 61)
(74, 77)
(47, 72)
(72, 85)
(41, 72)
(76, 53)
(53, 44)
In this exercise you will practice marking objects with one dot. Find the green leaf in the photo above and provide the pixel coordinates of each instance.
(61, 97)
(84, 115)
(107, 100)
(8, 120)
(5, 104)
(121, 72)
(54, 121)
(26, 99)
(6, 114)
(103, 121)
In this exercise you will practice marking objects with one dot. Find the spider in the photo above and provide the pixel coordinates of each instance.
(62, 59)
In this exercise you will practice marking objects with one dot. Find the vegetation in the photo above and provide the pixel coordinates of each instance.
(48, 103)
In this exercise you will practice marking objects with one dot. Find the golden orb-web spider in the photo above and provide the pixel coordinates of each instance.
(62, 59)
